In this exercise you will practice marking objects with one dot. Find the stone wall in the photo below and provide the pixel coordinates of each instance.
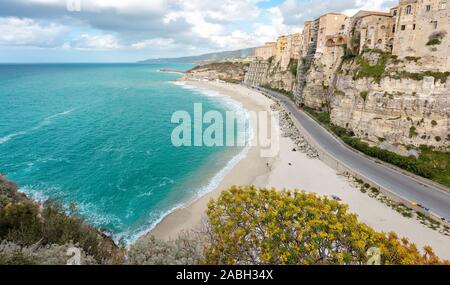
(395, 111)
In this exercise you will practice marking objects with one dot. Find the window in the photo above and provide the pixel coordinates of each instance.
(380, 41)
(403, 27)
(414, 26)
(393, 28)
(408, 10)
(395, 13)
(428, 9)
(435, 25)
(383, 27)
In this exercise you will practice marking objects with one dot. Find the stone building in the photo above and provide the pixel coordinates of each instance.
(289, 48)
(307, 39)
(267, 51)
(257, 73)
(330, 25)
(376, 31)
(294, 44)
(282, 45)
(422, 28)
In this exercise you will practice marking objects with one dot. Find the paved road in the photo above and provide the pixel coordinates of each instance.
(437, 200)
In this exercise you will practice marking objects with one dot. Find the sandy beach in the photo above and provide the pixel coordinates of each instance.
(296, 170)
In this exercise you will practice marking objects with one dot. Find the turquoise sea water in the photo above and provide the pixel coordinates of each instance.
(99, 136)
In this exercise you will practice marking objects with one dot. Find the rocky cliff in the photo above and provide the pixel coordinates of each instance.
(387, 102)
(226, 71)
(281, 77)
(320, 79)
(382, 101)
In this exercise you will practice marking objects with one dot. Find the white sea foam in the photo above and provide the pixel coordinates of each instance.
(47, 121)
(131, 237)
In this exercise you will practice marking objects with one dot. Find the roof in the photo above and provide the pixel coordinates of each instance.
(372, 13)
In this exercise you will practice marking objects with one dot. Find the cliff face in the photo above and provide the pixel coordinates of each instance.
(282, 77)
(320, 79)
(385, 101)
(391, 103)
(227, 71)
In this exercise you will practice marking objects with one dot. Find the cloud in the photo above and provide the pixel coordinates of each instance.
(157, 27)
(17, 32)
(94, 42)
(296, 12)
(159, 42)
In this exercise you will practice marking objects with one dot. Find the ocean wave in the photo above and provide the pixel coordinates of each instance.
(130, 237)
(47, 121)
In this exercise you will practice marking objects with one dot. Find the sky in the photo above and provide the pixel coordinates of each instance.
(133, 30)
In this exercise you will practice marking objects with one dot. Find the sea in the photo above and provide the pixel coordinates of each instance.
(98, 136)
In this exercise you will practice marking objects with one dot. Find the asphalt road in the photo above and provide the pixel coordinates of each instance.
(437, 200)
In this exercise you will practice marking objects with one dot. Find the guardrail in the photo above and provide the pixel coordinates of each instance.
(341, 167)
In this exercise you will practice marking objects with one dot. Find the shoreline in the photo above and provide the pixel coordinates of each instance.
(244, 172)
(294, 170)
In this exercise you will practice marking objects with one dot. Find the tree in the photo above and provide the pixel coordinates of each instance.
(251, 226)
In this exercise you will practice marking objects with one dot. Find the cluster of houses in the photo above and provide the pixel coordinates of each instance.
(413, 29)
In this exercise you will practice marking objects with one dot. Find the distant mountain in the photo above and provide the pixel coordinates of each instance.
(204, 57)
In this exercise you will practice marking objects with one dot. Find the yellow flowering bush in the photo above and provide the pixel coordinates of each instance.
(261, 226)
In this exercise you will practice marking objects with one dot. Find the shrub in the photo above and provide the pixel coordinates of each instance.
(25, 223)
(261, 226)
(431, 164)
(434, 123)
(367, 70)
(185, 250)
(13, 254)
(293, 65)
(364, 95)
(436, 38)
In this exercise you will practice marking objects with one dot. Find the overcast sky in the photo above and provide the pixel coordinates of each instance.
(131, 30)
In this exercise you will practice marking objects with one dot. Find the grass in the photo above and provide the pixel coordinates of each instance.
(431, 164)
(442, 76)
(376, 71)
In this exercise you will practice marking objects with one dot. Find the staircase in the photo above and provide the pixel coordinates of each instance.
(306, 63)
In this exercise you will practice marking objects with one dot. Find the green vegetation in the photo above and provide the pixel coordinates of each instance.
(412, 58)
(442, 76)
(434, 42)
(364, 95)
(244, 226)
(431, 164)
(436, 38)
(293, 66)
(28, 227)
(434, 123)
(261, 226)
(367, 70)
(413, 132)
(185, 250)
(289, 94)
(339, 93)
(348, 53)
